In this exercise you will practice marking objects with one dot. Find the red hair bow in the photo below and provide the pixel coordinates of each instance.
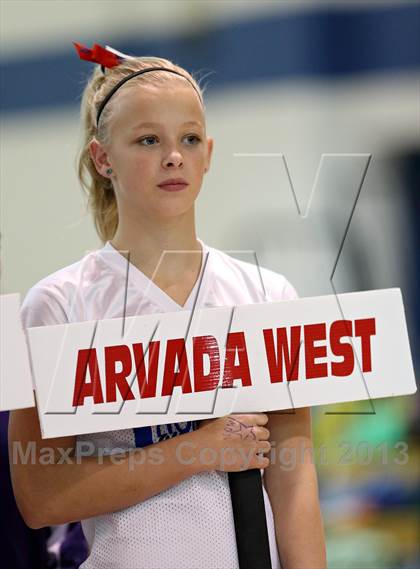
(98, 54)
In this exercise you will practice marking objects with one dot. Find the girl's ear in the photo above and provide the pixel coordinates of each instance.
(210, 143)
(99, 157)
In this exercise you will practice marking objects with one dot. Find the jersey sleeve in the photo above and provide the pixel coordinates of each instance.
(278, 287)
(289, 291)
(41, 308)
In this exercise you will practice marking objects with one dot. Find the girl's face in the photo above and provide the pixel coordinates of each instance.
(156, 133)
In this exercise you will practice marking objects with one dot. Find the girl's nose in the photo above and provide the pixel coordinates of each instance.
(173, 159)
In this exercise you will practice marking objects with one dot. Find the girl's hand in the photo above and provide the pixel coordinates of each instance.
(232, 443)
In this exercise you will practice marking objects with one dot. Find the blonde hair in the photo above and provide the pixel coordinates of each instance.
(101, 197)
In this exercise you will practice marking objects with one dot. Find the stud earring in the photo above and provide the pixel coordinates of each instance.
(109, 171)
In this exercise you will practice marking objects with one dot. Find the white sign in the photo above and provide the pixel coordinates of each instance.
(16, 390)
(183, 366)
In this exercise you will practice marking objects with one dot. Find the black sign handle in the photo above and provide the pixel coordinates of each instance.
(250, 520)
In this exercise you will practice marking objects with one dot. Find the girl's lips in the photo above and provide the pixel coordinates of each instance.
(172, 187)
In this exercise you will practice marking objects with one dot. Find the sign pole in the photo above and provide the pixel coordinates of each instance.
(250, 520)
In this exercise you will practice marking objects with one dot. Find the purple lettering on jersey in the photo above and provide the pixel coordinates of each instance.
(145, 436)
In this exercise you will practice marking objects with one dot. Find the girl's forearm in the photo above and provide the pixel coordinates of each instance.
(298, 521)
(87, 487)
(291, 482)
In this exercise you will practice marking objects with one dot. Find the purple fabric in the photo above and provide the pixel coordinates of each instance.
(74, 548)
(21, 547)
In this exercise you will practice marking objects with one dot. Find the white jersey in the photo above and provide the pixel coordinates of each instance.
(190, 525)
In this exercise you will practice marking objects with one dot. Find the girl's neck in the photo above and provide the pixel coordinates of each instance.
(146, 242)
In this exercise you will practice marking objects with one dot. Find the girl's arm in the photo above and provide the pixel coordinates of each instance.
(53, 487)
(52, 493)
(291, 483)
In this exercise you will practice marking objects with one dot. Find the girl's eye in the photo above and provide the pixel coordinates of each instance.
(193, 139)
(148, 140)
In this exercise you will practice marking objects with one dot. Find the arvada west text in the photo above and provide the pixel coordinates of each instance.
(283, 347)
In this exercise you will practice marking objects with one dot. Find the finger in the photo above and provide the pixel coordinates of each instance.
(263, 446)
(261, 419)
(260, 462)
(262, 433)
(251, 419)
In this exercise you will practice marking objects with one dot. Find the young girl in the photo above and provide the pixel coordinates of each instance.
(144, 156)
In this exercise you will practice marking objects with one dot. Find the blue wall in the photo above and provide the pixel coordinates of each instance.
(320, 43)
